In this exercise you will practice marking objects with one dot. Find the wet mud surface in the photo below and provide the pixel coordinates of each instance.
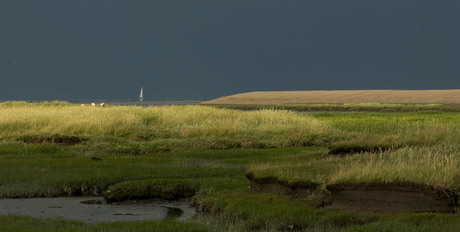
(95, 210)
(403, 197)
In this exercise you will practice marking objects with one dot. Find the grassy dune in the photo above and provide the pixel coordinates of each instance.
(347, 107)
(172, 151)
(444, 97)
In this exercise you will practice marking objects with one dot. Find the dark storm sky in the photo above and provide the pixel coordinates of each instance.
(201, 49)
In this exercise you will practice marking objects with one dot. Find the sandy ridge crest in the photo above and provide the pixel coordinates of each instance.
(444, 97)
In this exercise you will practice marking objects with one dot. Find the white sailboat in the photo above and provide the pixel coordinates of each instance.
(141, 95)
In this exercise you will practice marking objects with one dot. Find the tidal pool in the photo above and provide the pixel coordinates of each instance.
(94, 209)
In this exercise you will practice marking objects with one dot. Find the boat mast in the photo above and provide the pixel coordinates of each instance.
(141, 95)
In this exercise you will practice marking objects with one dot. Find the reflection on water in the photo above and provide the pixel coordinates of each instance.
(173, 213)
(94, 209)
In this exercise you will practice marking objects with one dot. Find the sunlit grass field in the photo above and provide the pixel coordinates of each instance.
(209, 150)
(164, 125)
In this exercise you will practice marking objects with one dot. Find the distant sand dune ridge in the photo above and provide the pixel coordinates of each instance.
(444, 97)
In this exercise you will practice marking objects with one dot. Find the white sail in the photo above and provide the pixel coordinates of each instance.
(141, 95)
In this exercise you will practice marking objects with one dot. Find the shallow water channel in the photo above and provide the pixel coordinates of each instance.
(94, 209)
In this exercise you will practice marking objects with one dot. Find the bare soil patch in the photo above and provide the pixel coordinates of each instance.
(402, 197)
(445, 97)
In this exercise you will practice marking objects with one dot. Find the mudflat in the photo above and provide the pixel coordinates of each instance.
(445, 97)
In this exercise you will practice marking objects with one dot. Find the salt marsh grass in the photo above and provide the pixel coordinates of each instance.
(437, 166)
(399, 129)
(165, 122)
(424, 149)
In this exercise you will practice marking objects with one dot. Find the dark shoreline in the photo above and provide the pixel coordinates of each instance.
(138, 103)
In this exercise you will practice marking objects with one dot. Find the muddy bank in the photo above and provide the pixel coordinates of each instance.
(342, 150)
(297, 190)
(56, 139)
(400, 197)
(95, 210)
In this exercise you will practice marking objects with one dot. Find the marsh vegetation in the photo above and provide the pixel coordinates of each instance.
(203, 153)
